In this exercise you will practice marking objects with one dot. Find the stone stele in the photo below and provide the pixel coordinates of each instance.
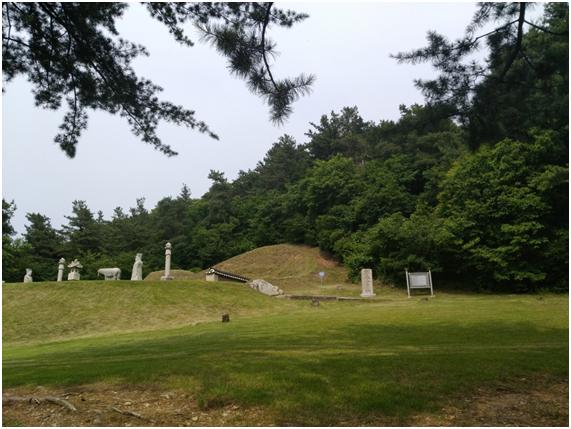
(367, 283)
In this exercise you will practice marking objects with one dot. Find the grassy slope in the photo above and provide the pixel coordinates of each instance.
(306, 365)
(49, 310)
(293, 268)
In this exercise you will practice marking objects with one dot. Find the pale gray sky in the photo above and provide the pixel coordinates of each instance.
(346, 45)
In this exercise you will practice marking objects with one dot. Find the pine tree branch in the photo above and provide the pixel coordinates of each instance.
(9, 22)
(545, 30)
(519, 39)
(266, 21)
(10, 39)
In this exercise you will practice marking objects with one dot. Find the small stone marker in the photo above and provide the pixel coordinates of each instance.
(168, 252)
(367, 283)
(28, 276)
(75, 267)
(137, 273)
(225, 318)
(60, 268)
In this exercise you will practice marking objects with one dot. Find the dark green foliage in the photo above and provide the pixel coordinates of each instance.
(522, 84)
(503, 206)
(45, 246)
(83, 233)
(72, 53)
(395, 243)
(341, 134)
(12, 249)
(8, 209)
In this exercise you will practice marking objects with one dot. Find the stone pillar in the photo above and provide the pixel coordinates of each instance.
(28, 276)
(60, 268)
(367, 283)
(167, 275)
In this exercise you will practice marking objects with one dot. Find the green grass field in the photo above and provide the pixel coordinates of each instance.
(304, 365)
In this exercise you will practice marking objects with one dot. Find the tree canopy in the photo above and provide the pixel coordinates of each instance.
(476, 92)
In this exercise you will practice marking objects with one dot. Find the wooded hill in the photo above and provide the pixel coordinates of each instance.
(478, 194)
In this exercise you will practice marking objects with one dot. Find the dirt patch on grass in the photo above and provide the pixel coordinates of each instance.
(105, 405)
(536, 402)
(521, 403)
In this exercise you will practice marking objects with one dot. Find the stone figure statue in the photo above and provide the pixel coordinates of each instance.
(137, 273)
(28, 276)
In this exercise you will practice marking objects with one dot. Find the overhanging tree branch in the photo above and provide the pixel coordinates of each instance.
(265, 25)
(517, 47)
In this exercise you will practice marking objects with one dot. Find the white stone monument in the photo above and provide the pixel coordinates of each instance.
(265, 287)
(168, 252)
(75, 267)
(109, 273)
(28, 276)
(367, 283)
(137, 273)
(60, 268)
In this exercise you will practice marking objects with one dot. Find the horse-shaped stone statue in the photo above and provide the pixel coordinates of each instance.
(109, 273)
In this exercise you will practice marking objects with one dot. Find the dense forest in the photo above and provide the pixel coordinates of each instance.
(474, 189)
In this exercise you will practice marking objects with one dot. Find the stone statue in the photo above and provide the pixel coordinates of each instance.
(137, 273)
(60, 267)
(110, 273)
(167, 275)
(28, 276)
(75, 267)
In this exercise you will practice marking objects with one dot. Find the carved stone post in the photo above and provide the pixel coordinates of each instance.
(167, 275)
(60, 267)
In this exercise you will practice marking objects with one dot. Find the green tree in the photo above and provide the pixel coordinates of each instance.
(503, 205)
(82, 233)
(45, 246)
(339, 134)
(10, 247)
(523, 82)
(8, 209)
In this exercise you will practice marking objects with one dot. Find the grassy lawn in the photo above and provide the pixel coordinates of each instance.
(305, 365)
(54, 311)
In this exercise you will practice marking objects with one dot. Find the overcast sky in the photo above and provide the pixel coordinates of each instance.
(346, 45)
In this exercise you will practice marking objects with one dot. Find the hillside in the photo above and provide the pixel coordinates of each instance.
(294, 268)
(47, 311)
